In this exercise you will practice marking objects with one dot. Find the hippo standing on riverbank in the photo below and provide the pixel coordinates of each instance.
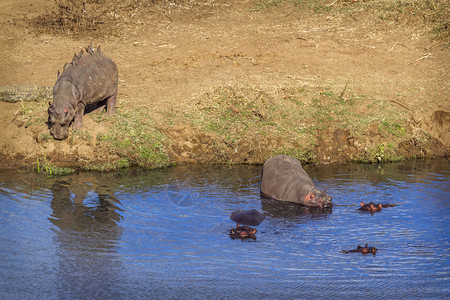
(284, 179)
(91, 79)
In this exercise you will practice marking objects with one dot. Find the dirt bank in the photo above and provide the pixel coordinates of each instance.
(233, 82)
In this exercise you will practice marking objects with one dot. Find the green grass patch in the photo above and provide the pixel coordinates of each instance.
(134, 138)
(32, 113)
(392, 128)
(382, 153)
(303, 154)
(45, 137)
(288, 120)
(45, 167)
(79, 135)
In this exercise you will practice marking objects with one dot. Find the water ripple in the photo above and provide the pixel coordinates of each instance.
(164, 234)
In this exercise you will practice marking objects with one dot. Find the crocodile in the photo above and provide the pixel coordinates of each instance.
(24, 93)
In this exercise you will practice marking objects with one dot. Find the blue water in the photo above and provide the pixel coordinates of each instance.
(164, 234)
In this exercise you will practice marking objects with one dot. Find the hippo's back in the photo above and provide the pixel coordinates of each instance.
(94, 74)
(284, 179)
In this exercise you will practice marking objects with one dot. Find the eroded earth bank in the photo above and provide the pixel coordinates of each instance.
(234, 82)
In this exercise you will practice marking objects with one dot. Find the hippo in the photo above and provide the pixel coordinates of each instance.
(372, 207)
(364, 250)
(91, 79)
(243, 232)
(250, 217)
(247, 218)
(284, 179)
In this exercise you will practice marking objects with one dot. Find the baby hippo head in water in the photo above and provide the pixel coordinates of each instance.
(318, 198)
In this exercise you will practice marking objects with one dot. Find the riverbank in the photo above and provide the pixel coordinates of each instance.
(214, 82)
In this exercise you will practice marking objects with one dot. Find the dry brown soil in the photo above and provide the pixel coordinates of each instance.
(167, 59)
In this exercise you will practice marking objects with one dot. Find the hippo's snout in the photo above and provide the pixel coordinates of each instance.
(328, 201)
(59, 138)
(324, 203)
(59, 133)
(322, 199)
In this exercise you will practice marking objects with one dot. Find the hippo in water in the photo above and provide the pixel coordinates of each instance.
(284, 179)
(250, 217)
(247, 218)
(372, 207)
(364, 250)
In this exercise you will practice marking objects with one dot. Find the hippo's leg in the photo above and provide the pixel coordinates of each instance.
(78, 120)
(111, 105)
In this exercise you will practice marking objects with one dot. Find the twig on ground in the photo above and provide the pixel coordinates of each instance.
(396, 43)
(404, 106)
(289, 14)
(392, 48)
(427, 55)
(331, 4)
(343, 91)
(414, 119)
(436, 45)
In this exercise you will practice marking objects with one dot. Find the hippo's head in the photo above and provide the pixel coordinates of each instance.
(318, 198)
(62, 110)
(59, 121)
(372, 207)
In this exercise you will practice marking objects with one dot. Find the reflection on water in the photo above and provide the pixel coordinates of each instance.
(86, 218)
(164, 234)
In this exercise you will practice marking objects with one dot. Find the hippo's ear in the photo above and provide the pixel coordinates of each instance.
(312, 196)
(362, 203)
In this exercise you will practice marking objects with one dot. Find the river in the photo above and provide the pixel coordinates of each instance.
(164, 234)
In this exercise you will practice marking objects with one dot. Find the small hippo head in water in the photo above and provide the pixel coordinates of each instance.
(372, 207)
(245, 218)
(317, 198)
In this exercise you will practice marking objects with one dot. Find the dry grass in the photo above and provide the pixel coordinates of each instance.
(100, 17)
(111, 17)
(431, 13)
(286, 120)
